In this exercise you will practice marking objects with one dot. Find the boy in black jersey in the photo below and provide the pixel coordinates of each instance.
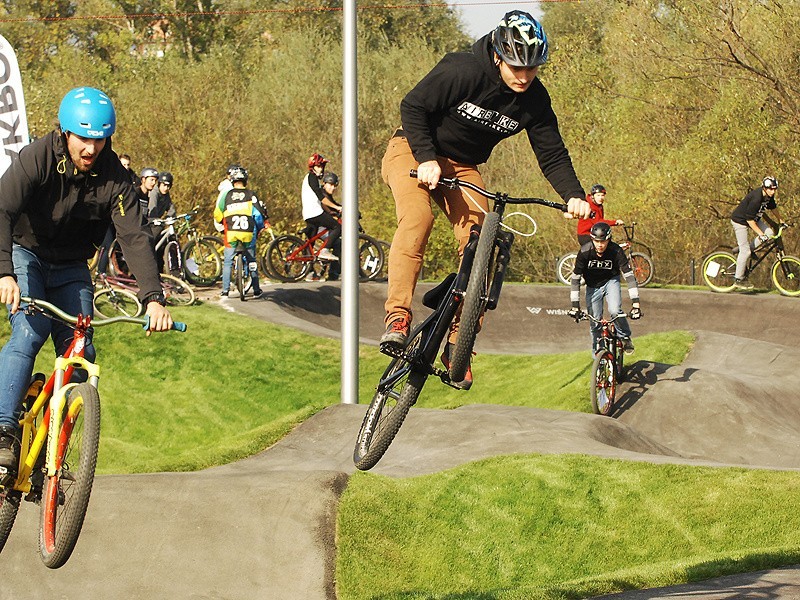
(600, 263)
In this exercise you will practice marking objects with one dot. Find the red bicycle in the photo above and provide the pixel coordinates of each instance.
(290, 258)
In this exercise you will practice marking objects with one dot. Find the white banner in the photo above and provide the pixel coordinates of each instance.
(13, 118)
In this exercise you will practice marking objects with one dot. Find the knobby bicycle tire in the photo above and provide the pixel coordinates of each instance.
(370, 257)
(719, 270)
(565, 266)
(388, 409)
(280, 265)
(239, 266)
(112, 302)
(9, 505)
(475, 298)
(642, 266)
(66, 494)
(786, 275)
(202, 263)
(176, 291)
(603, 388)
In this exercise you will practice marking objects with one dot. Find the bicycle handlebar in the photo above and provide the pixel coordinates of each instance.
(585, 316)
(173, 220)
(454, 182)
(43, 305)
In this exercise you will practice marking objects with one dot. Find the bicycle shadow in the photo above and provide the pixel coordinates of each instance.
(322, 301)
(644, 374)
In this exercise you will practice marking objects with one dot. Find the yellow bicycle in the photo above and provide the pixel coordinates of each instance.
(63, 419)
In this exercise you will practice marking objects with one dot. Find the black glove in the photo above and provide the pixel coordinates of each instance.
(575, 313)
(636, 313)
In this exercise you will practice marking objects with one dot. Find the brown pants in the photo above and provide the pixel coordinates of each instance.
(415, 218)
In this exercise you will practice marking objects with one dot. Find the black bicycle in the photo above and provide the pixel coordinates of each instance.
(473, 290)
(719, 267)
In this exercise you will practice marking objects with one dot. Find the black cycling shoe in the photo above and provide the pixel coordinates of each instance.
(9, 448)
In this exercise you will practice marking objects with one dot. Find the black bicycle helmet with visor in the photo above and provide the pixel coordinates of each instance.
(520, 41)
(332, 178)
(770, 183)
(597, 188)
(165, 177)
(238, 173)
(600, 232)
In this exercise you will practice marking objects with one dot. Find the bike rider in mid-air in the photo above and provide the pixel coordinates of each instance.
(600, 263)
(451, 122)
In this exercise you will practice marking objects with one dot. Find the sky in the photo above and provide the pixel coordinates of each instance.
(481, 17)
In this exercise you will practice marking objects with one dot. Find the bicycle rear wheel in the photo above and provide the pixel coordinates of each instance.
(201, 261)
(176, 291)
(9, 505)
(239, 266)
(66, 494)
(287, 259)
(397, 392)
(475, 298)
(719, 271)
(786, 275)
(642, 267)
(603, 388)
(370, 258)
(110, 302)
(116, 260)
(565, 267)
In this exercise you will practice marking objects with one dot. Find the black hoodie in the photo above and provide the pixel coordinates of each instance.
(61, 214)
(462, 109)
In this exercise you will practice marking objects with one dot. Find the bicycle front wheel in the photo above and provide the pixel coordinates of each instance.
(176, 291)
(398, 390)
(66, 494)
(603, 388)
(201, 261)
(370, 258)
(287, 258)
(565, 267)
(111, 302)
(719, 271)
(642, 266)
(9, 505)
(786, 275)
(475, 298)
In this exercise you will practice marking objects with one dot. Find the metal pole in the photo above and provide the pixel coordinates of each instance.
(349, 253)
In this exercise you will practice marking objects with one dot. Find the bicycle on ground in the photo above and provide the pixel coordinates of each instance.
(116, 295)
(290, 258)
(59, 442)
(638, 257)
(198, 262)
(608, 367)
(719, 267)
(242, 269)
(474, 289)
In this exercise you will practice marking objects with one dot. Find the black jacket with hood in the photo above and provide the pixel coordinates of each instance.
(462, 109)
(61, 214)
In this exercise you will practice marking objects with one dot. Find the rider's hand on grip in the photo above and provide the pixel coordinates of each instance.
(636, 313)
(575, 313)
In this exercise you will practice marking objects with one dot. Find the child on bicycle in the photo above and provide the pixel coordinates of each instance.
(318, 209)
(596, 199)
(451, 121)
(242, 216)
(600, 263)
(750, 215)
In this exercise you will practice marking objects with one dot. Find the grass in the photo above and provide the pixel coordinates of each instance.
(569, 526)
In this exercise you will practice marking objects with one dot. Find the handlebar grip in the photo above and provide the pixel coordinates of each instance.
(176, 325)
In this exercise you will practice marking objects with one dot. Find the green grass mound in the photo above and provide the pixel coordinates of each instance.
(570, 526)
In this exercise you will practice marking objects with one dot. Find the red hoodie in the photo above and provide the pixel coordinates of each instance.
(585, 225)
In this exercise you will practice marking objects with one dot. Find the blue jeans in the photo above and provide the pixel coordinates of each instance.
(612, 292)
(68, 286)
(227, 267)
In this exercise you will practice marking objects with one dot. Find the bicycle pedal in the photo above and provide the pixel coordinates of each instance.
(392, 350)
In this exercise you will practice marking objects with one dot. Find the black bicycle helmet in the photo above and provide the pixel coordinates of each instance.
(165, 177)
(238, 173)
(520, 41)
(597, 187)
(330, 178)
(600, 232)
(148, 172)
(770, 183)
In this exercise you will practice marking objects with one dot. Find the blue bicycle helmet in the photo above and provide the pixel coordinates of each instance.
(87, 112)
(520, 41)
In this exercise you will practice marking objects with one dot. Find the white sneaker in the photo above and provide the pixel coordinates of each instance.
(327, 254)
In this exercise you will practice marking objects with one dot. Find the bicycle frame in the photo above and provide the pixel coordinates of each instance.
(774, 244)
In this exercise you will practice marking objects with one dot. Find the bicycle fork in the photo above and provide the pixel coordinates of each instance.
(504, 241)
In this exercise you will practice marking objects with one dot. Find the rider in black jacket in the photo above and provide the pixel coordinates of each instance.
(56, 203)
